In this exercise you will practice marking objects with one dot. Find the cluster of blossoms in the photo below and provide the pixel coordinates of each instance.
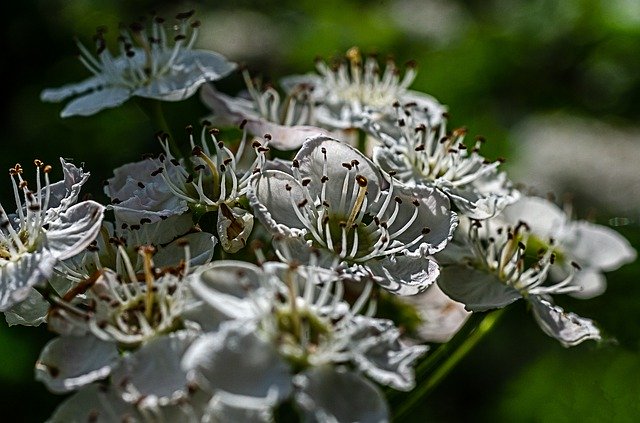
(229, 285)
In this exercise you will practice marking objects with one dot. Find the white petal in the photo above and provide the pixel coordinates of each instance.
(30, 312)
(328, 394)
(477, 290)
(591, 281)
(237, 361)
(228, 408)
(96, 404)
(378, 352)
(17, 277)
(201, 246)
(568, 328)
(64, 194)
(545, 219)
(426, 105)
(68, 363)
(93, 102)
(597, 246)
(283, 137)
(152, 375)
(311, 159)
(440, 316)
(271, 201)
(226, 288)
(193, 68)
(403, 275)
(74, 229)
(55, 95)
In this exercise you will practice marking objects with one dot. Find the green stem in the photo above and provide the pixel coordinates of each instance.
(429, 384)
(153, 109)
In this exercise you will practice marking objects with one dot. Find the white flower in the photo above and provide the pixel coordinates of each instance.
(344, 91)
(335, 200)
(595, 248)
(417, 153)
(216, 183)
(281, 321)
(148, 66)
(45, 229)
(494, 272)
(287, 121)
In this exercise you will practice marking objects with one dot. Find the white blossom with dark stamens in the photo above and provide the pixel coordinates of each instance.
(364, 223)
(293, 319)
(42, 232)
(596, 248)
(124, 306)
(216, 182)
(152, 63)
(418, 153)
(342, 93)
(495, 272)
(287, 120)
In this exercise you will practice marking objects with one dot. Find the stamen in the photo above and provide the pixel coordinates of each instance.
(357, 205)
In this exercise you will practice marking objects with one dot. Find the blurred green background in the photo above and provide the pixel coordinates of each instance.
(495, 64)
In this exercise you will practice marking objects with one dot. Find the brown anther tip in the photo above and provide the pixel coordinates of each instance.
(295, 163)
(183, 242)
(415, 202)
(47, 169)
(147, 249)
(521, 245)
(267, 137)
(401, 122)
(361, 180)
(425, 230)
(37, 163)
(392, 173)
(398, 200)
(552, 259)
(197, 151)
(480, 138)
(179, 37)
(185, 15)
(196, 24)
(136, 27)
(576, 265)
(213, 131)
(243, 123)
(189, 129)
(396, 104)
(411, 64)
(501, 160)
(459, 132)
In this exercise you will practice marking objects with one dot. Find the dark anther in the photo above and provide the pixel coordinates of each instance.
(140, 184)
(425, 230)
(361, 180)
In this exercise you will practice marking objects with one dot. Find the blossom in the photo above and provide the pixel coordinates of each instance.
(494, 272)
(288, 121)
(360, 221)
(417, 153)
(289, 333)
(344, 91)
(148, 66)
(46, 228)
(216, 181)
(595, 247)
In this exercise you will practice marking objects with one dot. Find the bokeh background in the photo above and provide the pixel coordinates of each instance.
(553, 86)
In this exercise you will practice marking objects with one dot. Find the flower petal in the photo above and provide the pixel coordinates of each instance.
(329, 394)
(273, 194)
(258, 371)
(17, 277)
(55, 95)
(68, 362)
(138, 376)
(597, 246)
(74, 229)
(95, 403)
(568, 328)
(95, 101)
(378, 352)
(478, 291)
(403, 275)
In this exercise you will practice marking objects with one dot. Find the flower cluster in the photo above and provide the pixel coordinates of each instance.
(244, 281)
